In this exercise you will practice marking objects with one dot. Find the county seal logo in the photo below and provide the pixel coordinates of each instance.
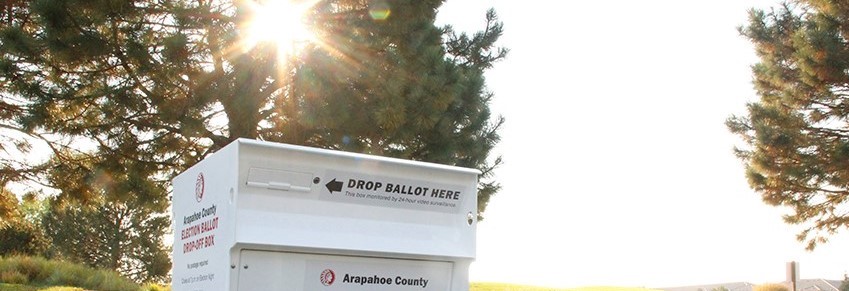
(199, 187)
(327, 277)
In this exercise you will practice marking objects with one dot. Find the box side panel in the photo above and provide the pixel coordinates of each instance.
(284, 271)
(460, 276)
(322, 200)
(319, 151)
(203, 223)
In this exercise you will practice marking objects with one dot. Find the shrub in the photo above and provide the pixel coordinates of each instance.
(21, 238)
(42, 272)
(67, 274)
(36, 270)
(13, 277)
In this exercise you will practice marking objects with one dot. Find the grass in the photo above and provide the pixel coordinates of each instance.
(37, 274)
(16, 287)
(513, 287)
(609, 288)
(507, 287)
(31, 273)
(472, 287)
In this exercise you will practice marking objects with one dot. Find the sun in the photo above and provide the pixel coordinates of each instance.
(282, 23)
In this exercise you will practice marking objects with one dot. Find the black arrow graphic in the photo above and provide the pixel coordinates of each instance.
(334, 186)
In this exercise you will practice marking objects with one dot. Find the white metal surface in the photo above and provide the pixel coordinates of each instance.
(262, 270)
(253, 200)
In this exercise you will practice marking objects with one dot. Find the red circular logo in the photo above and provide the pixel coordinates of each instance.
(199, 188)
(327, 277)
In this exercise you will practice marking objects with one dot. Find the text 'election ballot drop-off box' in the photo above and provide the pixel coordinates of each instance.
(266, 216)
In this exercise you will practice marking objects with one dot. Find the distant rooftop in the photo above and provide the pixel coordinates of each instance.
(803, 285)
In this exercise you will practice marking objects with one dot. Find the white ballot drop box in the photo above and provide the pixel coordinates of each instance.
(267, 216)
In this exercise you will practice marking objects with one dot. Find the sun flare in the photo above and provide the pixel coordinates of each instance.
(282, 23)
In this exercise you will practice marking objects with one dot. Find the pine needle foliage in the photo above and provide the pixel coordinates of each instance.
(125, 94)
(161, 84)
(796, 135)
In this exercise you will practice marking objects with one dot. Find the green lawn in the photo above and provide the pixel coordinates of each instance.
(38, 274)
(473, 287)
(513, 287)
(16, 287)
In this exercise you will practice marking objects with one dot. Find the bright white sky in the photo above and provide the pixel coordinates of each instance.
(618, 167)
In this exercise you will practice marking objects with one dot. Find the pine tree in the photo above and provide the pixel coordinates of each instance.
(114, 236)
(137, 91)
(19, 230)
(170, 79)
(121, 225)
(797, 136)
(8, 206)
